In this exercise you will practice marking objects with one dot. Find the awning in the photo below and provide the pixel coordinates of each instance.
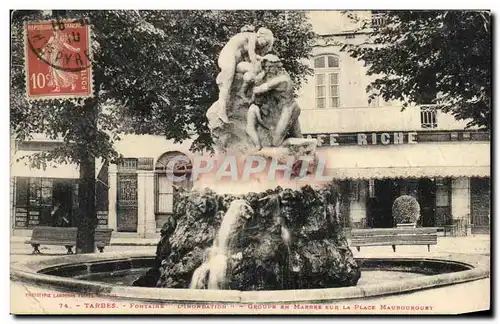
(21, 168)
(469, 159)
(60, 171)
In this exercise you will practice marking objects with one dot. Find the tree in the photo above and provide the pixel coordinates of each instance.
(154, 73)
(443, 57)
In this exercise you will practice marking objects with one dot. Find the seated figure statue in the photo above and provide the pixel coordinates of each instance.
(253, 120)
(254, 76)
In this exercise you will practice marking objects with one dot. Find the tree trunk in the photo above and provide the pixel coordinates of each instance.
(87, 219)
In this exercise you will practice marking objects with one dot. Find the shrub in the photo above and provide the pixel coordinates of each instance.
(405, 210)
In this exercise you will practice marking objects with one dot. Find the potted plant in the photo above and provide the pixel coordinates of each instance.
(405, 211)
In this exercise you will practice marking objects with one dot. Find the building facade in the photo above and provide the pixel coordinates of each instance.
(373, 149)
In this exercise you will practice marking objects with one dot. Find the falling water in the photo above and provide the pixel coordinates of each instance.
(215, 265)
(285, 235)
(199, 276)
(275, 208)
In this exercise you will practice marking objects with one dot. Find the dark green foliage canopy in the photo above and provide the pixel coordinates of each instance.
(420, 54)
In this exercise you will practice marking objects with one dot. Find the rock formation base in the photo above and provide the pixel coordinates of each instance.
(286, 239)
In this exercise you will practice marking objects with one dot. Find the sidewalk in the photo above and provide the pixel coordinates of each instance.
(117, 241)
(471, 245)
(461, 244)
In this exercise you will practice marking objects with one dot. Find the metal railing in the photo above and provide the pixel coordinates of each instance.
(428, 116)
(378, 19)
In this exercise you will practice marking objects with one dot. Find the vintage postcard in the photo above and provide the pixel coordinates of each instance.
(250, 162)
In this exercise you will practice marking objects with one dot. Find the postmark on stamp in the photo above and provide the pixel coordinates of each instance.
(58, 59)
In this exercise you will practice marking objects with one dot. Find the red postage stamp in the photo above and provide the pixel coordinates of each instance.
(58, 59)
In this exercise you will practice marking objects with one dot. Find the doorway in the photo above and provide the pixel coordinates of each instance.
(480, 196)
(427, 202)
(126, 203)
(380, 206)
(62, 198)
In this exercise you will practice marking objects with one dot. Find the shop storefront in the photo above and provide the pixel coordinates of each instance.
(439, 199)
(447, 173)
(433, 195)
(45, 202)
(50, 197)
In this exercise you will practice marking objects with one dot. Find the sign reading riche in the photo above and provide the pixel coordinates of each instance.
(385, 138)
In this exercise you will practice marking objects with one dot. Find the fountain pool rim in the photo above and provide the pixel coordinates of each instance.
(30, 271)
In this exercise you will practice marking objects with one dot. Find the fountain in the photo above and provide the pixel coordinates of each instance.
(239, 241)
(279, 232)
(276, 239)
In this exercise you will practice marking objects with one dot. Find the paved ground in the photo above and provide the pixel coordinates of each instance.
(20, 252)
(443, 300)
(120, 240)
(474, 244)
(466, 245)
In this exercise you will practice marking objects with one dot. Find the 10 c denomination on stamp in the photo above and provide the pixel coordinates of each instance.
(58, 59)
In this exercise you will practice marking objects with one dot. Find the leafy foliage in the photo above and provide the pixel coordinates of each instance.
(417, 55)
(405, 210)
(154, 73)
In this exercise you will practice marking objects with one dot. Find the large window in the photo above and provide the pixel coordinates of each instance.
(44, 201)
(326, 79)
(165, 194)
(165, 183)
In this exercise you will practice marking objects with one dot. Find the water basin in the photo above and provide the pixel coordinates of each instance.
(372, 271)
(127, 277)
(113, 275)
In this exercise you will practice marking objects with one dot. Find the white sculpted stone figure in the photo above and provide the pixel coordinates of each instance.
(253, 120)
(260, 104)
(279, 86)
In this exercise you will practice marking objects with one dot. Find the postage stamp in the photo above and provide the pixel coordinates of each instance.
(58, 59)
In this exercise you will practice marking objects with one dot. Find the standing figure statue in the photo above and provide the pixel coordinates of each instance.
(246, 44)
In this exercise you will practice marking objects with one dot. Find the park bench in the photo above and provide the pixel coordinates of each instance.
(394, 236)
(66, 236)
